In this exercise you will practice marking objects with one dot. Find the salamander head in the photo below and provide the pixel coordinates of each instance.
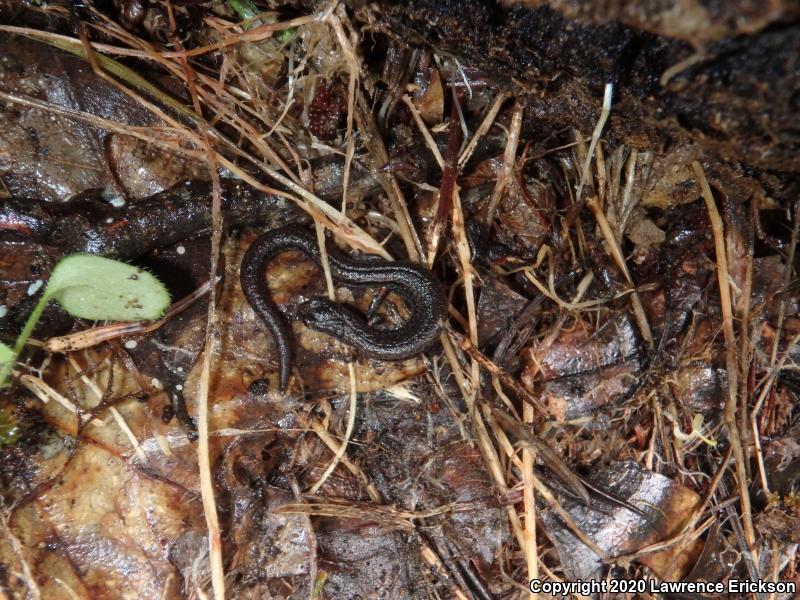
(322, 314)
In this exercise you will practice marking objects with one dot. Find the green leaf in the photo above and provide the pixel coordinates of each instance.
(96, 288)
(6, 353)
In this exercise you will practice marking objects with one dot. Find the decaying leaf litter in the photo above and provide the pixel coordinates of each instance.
(613, 396)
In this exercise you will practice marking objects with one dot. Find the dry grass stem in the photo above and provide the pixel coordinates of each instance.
(598, 130)
(464, 386)
(467, 272)
(731, 347)
(529, 504)
(766, 388)
(351, 419)
(326, 267)
(508, 449)
(142, 133)
(619, 259)
(203, 451)
(787, 278)
(347, 46)
(430, 557)
(334, 446)
(507, 380)
(386, 515)
(123, 425)
(509, 158)
(206, 481)
(483, 128)
(256, 34)
(45, 393)
(378, 157)
(549, 456)
(423, 129)
(548, 497)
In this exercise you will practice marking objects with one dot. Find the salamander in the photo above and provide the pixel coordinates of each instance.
(424, 293)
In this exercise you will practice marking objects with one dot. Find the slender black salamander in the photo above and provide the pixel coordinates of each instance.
(414, 283)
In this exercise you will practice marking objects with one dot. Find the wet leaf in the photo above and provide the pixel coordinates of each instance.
(96, 288)
(9, 428)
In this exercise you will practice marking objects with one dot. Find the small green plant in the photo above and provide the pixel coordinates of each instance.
(287, 35)
(251, 17)
(95, 288)
(244, 8)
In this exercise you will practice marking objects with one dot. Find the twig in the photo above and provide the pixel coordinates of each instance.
(95, 335)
